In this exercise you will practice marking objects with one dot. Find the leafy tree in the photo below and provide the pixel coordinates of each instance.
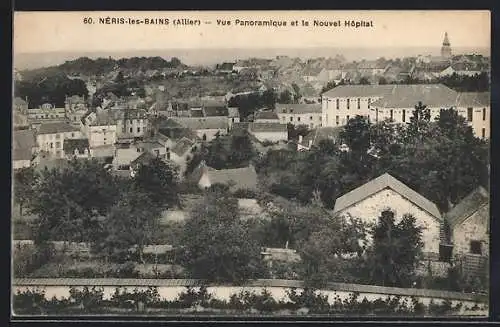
(364, 81)
(131, 223)
(285, 97)
(396, 250)
(159, 180)
(382, 81)
(296, 92)
(419, 122)
(330, 85)
(356, 134)
(69, 202)
(24, 182)
(218, 247)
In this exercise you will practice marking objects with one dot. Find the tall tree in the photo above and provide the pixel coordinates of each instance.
(24, 183)
(356, 134)
(217, 244)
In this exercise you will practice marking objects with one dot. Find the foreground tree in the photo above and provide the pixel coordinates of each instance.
(217, 245)
(396, 250)
(24, 183)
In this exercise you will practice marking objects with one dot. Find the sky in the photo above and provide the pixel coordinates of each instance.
(39, 32)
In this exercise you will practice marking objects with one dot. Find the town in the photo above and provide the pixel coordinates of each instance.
(318, 171)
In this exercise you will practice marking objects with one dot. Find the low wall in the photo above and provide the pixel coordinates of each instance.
(169, 289)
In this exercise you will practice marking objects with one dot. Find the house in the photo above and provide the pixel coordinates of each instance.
(386, 192)
(46, 113)
(76, 148)
(182, 153)
(123, 158)
(469, 224)
(268, 132)
(20, 105)
(236, 179)
(266, 116)
(206, 128)
(475, 108)
(51, 136)
(100, 128)
(300, 114)
(130, 122)
(315, 136)
(23, 148)
(311, 74)
(225, 68)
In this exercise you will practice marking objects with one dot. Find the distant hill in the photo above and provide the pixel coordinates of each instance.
(88, 66)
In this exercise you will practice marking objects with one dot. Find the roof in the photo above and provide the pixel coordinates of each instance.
(371, 65)
(182, 146)
(70, 145)
(53, 128)
(380, 183)
(203, 123)
(104, 118)
(21, 154)
(268, 127)
(215, 110)
(473, 99)
(298, 108)
(322, 133)
(407, 96)
(469, 205)
(143, 158)
(244, 178)
(125, 156)
(268, 114)
(343, 91)
(103, 151)
(23, 139)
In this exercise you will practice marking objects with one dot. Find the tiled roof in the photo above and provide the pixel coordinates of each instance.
(342, 91)
(23, 139)
(267, 127)
(465, 208)
(203, 123)
(53, 128)
(244, 178)
(125, 156)
(299, 108)
(70, 145)
(321, 133)
(267, 114)
(380, 183)
(473, 99)
(407, 96)
(182, 146)
(215, 110)
(144, 158)
(21, 154)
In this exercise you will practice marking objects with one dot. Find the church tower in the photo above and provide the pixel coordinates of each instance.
(446, 48)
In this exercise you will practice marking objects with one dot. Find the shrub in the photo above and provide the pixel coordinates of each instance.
(89, 299)
(245, 194)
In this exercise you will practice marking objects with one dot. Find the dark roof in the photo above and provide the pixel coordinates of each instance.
(321, 133)
(53, 128)
(22, 154)
(469, 205)
(268, 127)
(343, 91)
(380, 183)
(473, 99)
(144, 158)
(407, 96)
(215, 110)
(23, 139)
(70, 145)
(243, 178)
(198, 113)
(298, 108)
(268, 114)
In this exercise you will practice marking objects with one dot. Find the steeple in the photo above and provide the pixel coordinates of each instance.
(446, 48)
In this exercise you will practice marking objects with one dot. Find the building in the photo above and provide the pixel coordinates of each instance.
(23, 148)
(181, 153)
(266, 116)
(76, 148)
(20, 105)
(469, 223)
(51, 136)
(237, 179)
(100, 128)
(368, 201)
(300, 114)
(315, 136)
(46, 113)
(397, 103)
(206, 128)
(446, 48)
(130, 122)
(268, 132)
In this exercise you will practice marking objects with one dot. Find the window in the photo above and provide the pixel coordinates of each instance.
(369, 102)
(138, 149)
(58, 144)
(284, 111)
(51, 145)
(392, 115)
(298, 118)
(403, 118)
(347, 119)
(291, 118)
(484, 113)
(157, 152)
(348, 104)
(337, 103)
(475, 247)
(138, 129)
(337, 120)
(131, 130)
(445, 252)
(232, 119)
(469, 114)
(58, 136)
(204, 137)
(168, 155)
(359, 103)
(483, 133)
(319, 118)
(311, 118)
(168, 149)
(72, 134)
(123, 129)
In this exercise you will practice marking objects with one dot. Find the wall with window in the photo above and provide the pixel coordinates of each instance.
(312, 120)
(101, 135)
(478, 118)
(345, 106)
(53, 143)
(472, 236)
(134, 127)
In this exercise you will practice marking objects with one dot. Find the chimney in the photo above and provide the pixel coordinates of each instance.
(310, 143)
(300, 138)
